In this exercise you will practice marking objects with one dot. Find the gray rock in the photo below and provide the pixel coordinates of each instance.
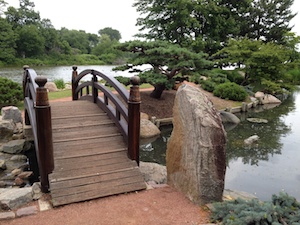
(36, 191)
(196, 162)
(51, 86)
(7, 128)
(11, 198)
(21, 158)
(251, 140)
(257, 120)
(14, 147)
(148, 129)
(11, 113)
(7, 215)
(153, 172)
(27, 211)
(2, 164)
(228, 117)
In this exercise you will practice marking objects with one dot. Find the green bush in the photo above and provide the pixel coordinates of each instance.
(123, 80)
(60, 84)
(234, 76)
(231, 91)
(208, 85)
(283, 209)
(10, 92)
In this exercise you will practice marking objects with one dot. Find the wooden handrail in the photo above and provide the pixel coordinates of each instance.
(123, 110)
(38, 115)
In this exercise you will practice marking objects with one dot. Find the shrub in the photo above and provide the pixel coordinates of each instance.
(123, 80)
(283, 209)
(208, 85)
(231, 91)
(10, 92)
(60, 84)
(234, 76)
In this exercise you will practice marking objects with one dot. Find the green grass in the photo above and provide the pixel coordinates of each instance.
(59, 94)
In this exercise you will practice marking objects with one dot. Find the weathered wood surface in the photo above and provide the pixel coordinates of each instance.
(90, 155)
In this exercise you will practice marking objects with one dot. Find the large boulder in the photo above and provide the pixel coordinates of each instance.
(266, 98)
(11, 113)
(228, 117)
(148, 129)
(51, 86)
(195, 158)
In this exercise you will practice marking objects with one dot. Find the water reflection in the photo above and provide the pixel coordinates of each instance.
(267, 167)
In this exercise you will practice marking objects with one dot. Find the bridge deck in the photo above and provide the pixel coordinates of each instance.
(90, 155)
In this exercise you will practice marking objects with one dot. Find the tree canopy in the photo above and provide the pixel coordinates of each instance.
(167, 61)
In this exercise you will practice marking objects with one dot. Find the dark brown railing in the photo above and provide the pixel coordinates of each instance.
(122, 107)
(38, 115)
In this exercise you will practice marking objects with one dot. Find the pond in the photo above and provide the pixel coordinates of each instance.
(58, 72)
(266, 168)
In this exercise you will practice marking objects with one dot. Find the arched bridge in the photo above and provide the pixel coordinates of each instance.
(89, 147)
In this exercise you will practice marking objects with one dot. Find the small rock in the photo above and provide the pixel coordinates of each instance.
(11, 198)
(7, 215)
(2, 164)
(18, 158)
(251, 140)
(6, 129)
(2, 184)
(25, 174)
(19, 181)
(257, 120)
(13, 147)
(153, 172)
(36, 191)
(11, 113)
(27, 211)
(16, 172)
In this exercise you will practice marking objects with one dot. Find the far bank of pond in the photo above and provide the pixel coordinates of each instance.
(266, 168)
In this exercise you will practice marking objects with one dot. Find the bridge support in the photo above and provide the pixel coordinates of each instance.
(44, 133)
(134, 120)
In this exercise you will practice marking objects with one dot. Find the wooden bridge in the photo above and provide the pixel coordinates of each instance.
(89, 147)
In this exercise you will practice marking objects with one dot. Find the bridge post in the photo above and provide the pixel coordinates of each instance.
(74, 86)
(134, 120)
(44, 133)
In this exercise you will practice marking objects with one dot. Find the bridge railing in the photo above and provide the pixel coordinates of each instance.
(121, 106)
(38, 115)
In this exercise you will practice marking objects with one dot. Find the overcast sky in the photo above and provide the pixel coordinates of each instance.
(93, 15)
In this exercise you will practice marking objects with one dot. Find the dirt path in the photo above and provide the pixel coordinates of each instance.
(160, 206)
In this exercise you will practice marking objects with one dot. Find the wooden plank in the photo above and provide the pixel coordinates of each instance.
(92, 194)
(90, 152)
(71, 174)
(98, 178)
(94, 186)
(94, 157)
(86, 163)
(84, 131)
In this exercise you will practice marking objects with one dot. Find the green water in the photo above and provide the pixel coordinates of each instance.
(265, 168)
